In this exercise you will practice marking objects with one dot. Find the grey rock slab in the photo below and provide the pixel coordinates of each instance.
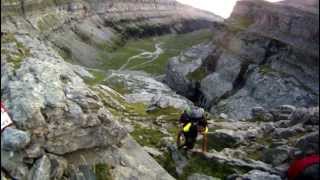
(261, 175)
(152, 151)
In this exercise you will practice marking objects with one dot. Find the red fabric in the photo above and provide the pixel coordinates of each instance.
(299, 165)
(3, 108)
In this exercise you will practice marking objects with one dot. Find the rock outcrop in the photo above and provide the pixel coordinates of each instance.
(55, 113)
(83, 30)
(264, 55)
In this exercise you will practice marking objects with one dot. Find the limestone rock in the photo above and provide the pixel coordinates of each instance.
(34, 151)
(197, 176)
(12, 163)
(309, 143)
(283, 112)
(14, 139)
(179, 160)
(226, 137)
(305, 116)
(55, 104)
(58, 166)
(261, 175)
(276, 156)
(179, 69)
(41, 169)
(261, 114)
(287, 132)
(142, 88)
(84, 172)
(152, 151)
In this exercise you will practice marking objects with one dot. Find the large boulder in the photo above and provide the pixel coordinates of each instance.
(179, 69)
(305, 116)
(12, 163)
(309, 143)
(47, 98)
(226, 138)
(283, 112)
(276, 156)
(259, 113)
(14, 139)
(41, 169)
(140, 87)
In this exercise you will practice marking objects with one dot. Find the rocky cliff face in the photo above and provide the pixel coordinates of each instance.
(58, 117)
(86, 29)
(264, 55)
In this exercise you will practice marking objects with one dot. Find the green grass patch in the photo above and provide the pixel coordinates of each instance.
(47, 22)
(14, 57)
(197, 75)
(266, 69)
(172, 45)
(99, 76)
(265, 140)
(172, 113)
(102, 171)
(167, 163)
(239, 23)
(146, 136)
(199, 164)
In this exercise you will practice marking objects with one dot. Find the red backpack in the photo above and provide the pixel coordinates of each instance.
(298, 166)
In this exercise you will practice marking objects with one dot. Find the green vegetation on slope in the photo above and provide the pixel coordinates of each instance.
(146, 136)
(102, 172)
(172, 45)
(198, 74)
(198, 164)
(20, 51)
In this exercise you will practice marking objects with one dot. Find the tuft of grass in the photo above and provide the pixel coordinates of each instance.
(102, 171)
(47, 22)
(199, 164)
(146, 136)
(198, 74)
(15, 58)
(99, 76)
(266, 69)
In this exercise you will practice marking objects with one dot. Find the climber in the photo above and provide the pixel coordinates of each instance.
(305, 168)
(192, 122)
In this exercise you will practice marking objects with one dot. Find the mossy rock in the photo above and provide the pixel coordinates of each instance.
(197, 75)
(48, 22)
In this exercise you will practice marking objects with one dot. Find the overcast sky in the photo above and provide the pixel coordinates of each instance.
(219, 7)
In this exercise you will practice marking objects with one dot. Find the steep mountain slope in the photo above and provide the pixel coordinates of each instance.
(85, 31)
(61, 116)
(264, 55)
